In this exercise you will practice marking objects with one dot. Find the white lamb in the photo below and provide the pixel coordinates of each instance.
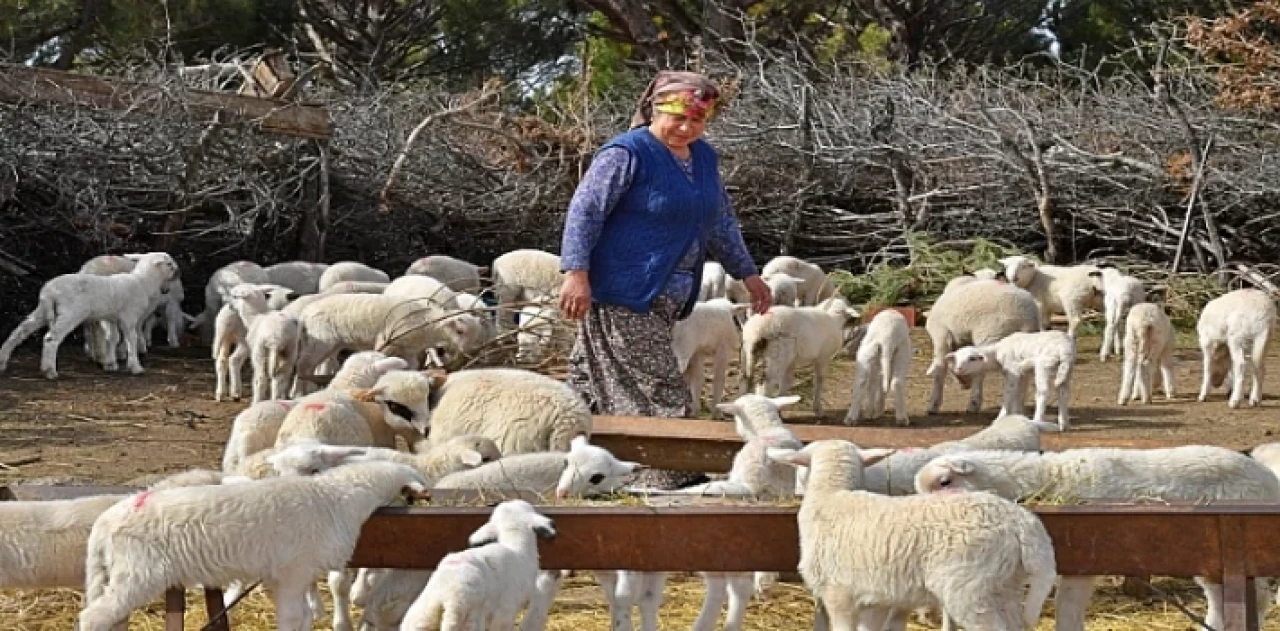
(231, 337)
(1236, 325)
(976, 313)
(423, 288)
(364, 369)
(476, 306)
(1049, 356)
(486, 585)
(389, 409)
(524, 276)
(284, 531)
(169, 302)
(521, 410)
(736, 291)
(785, 289)
(710, 333)
(814, 287)
(1149, 340)
(883, 360)
(1057, 289)
(1121, 293)
(300, 276)
(273, 339)
(356, 287)
(714, 282)
(68, 300)
(542, 333)
(789, 337)
(253, 430)
(896, 475)
(395, 326)
(351, 270)
(984, 273)
(456, 274)
(219, 284)
(1195, 472)
(865, 556)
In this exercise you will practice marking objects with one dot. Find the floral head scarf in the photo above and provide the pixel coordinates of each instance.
(676, 92)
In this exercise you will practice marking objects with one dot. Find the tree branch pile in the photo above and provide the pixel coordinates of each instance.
(838, 164)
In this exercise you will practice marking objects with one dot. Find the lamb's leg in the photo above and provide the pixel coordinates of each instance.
(261, 372)
(129, 330)
(1206, 354)
(975, 396)
(24, 330)
(712, 602)
(1073, 319)
(899, 386)
(739, 588)
(860, 381)
(1071, 601)
(619, 594)
(539, 609)
(1213, 616)
(340, 590)
(650, 599)
(1109, 333)
(292, 611)
(720, 371)
(1064, 400)
(873, 618)
(236, 369)
(1167, 374)
(59, 328)
(939, 374)
(1128, 371)
(109, 345)
(693, 379)
(1011, 403)
(111, 609)
(1257, 357)
(1238, 367)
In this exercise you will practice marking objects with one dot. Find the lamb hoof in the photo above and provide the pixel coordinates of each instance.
(136, 370)
(51, 375)
(1233, 404)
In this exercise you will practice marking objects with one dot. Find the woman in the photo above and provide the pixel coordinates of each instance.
(644, 217)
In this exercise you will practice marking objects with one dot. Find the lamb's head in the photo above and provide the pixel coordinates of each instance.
(753, 413)
(535, 326)
(158, 265)
(969, 361)
(833, 464)
(392, 478)
(405, 397)
(836, 304)
(311, 457)
(363, 369)
(511, 516)
(951, 473)
(593, 470)
(1019, 270)
(249, 297)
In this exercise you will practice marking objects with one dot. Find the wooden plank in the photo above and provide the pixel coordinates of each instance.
(1118, 539)
(175, 606)
(42, 492)
(23, 84)
(701, 445)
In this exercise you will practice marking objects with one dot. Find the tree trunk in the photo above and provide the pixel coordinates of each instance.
(1044, 204)
(90, 16)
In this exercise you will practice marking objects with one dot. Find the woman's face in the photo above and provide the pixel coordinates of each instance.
(677, 130)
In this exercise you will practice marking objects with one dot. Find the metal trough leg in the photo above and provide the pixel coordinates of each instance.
(1240, 603)
(175, 605)
(213, 606)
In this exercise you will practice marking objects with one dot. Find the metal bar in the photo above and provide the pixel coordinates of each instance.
(43, 492)
(1240, 602)
(175, 605)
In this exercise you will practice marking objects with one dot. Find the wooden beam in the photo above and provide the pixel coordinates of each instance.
(19, 84)
(1088, 539)
(43, 492)
(698, 445)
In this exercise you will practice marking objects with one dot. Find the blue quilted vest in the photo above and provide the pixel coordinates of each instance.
(654, 222)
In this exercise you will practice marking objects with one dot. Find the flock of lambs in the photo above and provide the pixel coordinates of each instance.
(305, 466)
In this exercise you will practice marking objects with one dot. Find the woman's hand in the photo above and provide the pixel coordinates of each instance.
(761, 296)
(575, 295)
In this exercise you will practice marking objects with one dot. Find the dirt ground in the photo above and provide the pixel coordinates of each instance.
(91, 426)
(110, 428)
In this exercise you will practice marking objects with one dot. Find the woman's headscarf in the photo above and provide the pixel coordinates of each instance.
(677, 91)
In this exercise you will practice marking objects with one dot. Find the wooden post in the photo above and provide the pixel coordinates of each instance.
(175, 605)
(213, 605)
(1239, 597)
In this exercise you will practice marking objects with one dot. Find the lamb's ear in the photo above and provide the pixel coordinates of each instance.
(367, 395)
(337, 455)
(632, 467)
(483, 535)
(384, 366)
(1096, 274)
(785, 401)
(962, 467)
(949, 359)
(731, 409)
(872, 456)
(471, 458)
(578, 442)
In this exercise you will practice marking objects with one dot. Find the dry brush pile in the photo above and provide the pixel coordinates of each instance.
(840, 164)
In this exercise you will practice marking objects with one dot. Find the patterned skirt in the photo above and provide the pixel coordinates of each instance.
(622, 365)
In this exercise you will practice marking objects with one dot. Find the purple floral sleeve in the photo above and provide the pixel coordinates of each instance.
(725, 242)
(598, 193)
